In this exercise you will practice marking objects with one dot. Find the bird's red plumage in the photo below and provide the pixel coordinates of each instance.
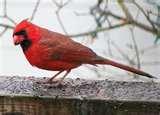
(54, 51)
(50, 52)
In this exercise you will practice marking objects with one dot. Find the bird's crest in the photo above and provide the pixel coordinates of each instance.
(22, 25)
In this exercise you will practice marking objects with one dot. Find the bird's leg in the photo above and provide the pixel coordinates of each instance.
(58, 82)
(51, 79)
(67, 72)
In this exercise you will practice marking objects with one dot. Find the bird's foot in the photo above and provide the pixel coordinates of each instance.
(58, 83)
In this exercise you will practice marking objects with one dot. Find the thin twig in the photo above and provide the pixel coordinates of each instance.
(35, 10)
(11, 20)
(5, 8)
(125, 56)
(147, 16)
(7, 26)
(99, 30)
(4, 30)
(60, 6)
(147, 49)
(132, 22)
(136, 49)
(61, 23)
(109, 47)
(150, 63)
(95, 70)
(135, 43)
(125, 10)
(5, 13)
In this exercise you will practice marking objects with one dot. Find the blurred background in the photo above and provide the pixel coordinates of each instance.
(127, 31)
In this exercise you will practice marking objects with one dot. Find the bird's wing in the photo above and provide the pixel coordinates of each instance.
(62, 48)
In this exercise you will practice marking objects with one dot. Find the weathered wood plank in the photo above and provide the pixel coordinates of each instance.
(23, 96)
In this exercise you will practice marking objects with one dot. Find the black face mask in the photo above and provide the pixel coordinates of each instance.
(26, 43)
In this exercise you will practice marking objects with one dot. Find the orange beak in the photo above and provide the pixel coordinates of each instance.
(17, 39)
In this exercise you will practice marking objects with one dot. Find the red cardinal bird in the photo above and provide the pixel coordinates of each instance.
(49, 50)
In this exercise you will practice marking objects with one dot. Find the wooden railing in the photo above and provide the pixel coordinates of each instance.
(23, 96)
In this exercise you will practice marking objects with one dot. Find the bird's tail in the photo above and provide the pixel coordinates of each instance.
(101, 60)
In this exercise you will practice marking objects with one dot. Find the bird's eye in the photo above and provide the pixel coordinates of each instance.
(22, 32)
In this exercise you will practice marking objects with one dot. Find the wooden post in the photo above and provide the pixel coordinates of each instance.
(23, 96)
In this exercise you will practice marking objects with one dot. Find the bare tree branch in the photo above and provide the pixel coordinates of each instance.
(99, 30)
(123, 54)
(60, 6)
(132, 22)
(7, 26)
(147, 16)
(5, 8)
(35, 9)
(136, 49)
(4, 30)
(125, 10)
(11, 20)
